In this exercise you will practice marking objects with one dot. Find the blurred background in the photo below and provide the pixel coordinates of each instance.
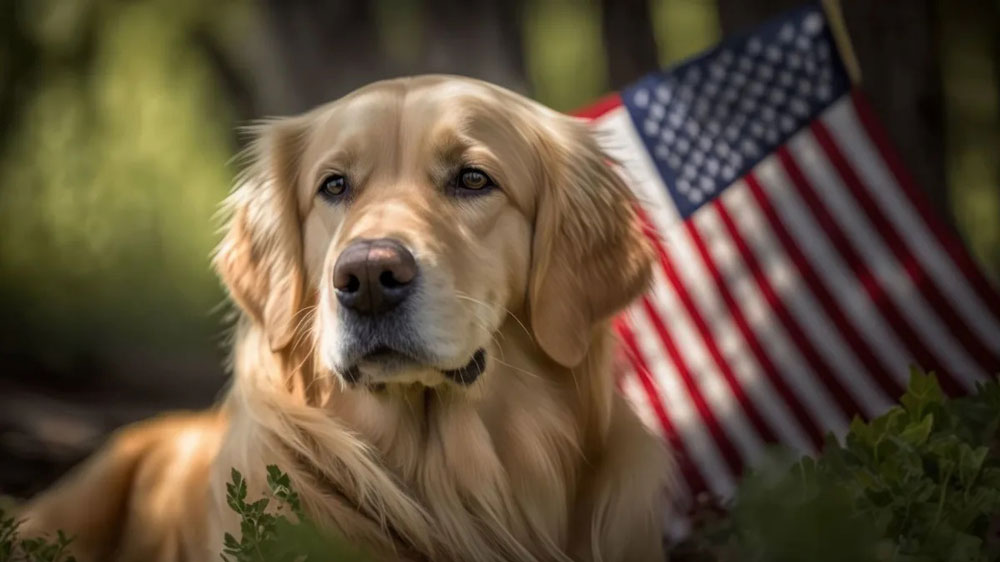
(119, 118)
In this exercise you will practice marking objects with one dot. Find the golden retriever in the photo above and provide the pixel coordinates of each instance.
(425, 271)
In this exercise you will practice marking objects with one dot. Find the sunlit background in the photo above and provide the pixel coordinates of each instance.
(118, 123)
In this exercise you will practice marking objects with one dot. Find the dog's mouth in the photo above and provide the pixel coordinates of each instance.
(385, 363)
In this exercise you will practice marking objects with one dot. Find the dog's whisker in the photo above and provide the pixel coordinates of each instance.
(464, 296)
(519, 369)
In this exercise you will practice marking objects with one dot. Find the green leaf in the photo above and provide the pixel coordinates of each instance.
(917, 433)
(923, 392)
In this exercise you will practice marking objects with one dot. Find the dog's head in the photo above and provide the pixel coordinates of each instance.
(419, 215)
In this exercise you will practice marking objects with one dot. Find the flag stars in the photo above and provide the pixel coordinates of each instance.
(713, 117)
(641, 98)
(799, 107)
(661, 151)
(651, 127)
(812, 24)
(663, 94)
(787, 33)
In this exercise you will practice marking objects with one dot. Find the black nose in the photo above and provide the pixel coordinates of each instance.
(373, 276)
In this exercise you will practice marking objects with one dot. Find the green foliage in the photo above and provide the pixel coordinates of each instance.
(13, 548)
(280, 534)
(918, 484)
(111, 170)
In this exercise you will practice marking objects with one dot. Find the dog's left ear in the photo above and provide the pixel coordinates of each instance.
(260, 257)
(590, 256)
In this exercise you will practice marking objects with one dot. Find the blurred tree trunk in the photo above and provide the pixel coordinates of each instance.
(629, 40)
(325, 48)
(302, 53)
(897, 46)
(478, 38)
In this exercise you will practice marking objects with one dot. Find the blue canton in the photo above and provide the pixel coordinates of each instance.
(708, 121)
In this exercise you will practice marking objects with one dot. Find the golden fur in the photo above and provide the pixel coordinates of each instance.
(538, 459)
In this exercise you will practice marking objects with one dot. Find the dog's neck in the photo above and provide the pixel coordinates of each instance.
(518, 435)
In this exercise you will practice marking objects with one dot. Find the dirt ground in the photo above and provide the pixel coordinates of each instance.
(49, 423)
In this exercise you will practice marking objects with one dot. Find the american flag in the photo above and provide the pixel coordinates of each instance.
(801, 273)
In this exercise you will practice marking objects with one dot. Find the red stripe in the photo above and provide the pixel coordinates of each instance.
(759, 424)
(600, 107)
(847, 403)
(693, 476)
(705, 411)
(842, 244)
(927, 287)
(946, 237)
(815, 283)
(814, 430)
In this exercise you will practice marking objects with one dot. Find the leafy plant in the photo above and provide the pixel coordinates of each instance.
(278, 531)
(13, 548)
(920, 483)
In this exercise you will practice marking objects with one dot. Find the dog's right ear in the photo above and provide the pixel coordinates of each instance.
(260, 256)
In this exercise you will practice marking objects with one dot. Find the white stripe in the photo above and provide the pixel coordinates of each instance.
(703, 371)
(689, 425)
(660, 209)
(769, 331)
(676, 524)
(841, 282)
(845, 127)
(728, 339)
(637, 397)
(881, 262)
(784, 278)
(734, 349)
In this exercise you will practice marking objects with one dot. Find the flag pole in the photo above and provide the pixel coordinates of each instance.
(838, 25)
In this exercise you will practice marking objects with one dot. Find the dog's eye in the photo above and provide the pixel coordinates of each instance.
(333, 186)
(473, 180)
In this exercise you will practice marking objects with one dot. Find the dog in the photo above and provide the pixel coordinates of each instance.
(425, 272)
